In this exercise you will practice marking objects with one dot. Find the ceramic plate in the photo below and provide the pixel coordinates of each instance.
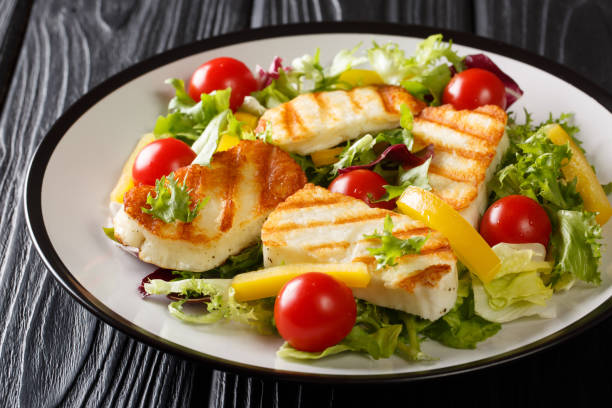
(79, 160)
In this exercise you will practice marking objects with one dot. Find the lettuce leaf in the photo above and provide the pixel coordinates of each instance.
(532, 167)
(392, 247)
(222, 305)
(187, 119)
(425, 74)
(172, 201)
(379, 332)
(462, 327)
(249, 259)
(416, 176)
(358, 152)
(518, 288)
(575, 245)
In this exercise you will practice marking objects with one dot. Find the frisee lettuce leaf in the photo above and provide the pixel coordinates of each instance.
(425, 74)
(222, 305)
(532, 167)
(172, 201)
(392, 247)
(280, 90)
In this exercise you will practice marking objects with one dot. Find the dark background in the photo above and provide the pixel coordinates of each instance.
(54, 352)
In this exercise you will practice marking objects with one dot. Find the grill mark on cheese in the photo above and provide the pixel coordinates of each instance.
(327, 245)
(301, 204)
(429, 277)
(233, 178)
(468, 121)
(290, 226)
(264, 167)
(455, 176)
(357, 108)
(385, 100)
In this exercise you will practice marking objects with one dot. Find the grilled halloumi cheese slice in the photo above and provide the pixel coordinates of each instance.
(315, 225)
(468, 146)
(243, 184)
(320, 120)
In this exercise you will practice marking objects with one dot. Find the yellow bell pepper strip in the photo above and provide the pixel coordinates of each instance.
(268, 282)
(471, 249)
(326, 156)
(248, 119)
(125, 181)
(361, 77)
(587, 185)
(228, 141)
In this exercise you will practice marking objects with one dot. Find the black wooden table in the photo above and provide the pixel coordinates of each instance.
(54, 352)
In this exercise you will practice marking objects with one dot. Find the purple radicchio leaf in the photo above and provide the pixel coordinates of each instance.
(513, 91)
(398, 153)
(265, 78)
(160, 273)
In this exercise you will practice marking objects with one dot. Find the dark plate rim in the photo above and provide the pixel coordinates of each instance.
(40, 160)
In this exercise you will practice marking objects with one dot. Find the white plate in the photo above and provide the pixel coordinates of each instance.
(78, 163)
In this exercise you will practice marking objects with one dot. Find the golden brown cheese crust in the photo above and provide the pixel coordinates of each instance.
(277, 227)
(277, 176)
(321, 120)
(465, 143)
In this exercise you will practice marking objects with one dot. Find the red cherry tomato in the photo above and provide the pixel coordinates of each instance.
(475, 87)
(161, 158)
(515, 219)
(363, 184)
(222, 73)
(314, 311)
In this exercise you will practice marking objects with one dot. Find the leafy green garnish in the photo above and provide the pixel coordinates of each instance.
(359, 152)
(425, 74)
(392, 247)
(316, 175)
(172, 201)
(222, 304)
(532, 167)
(187, 119)
(416, 176)
(248, 259)
(575, 245)
(110, 233)
(378, 332)
(461, 327)
(279, 91)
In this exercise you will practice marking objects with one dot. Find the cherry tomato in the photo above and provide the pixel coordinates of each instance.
(475, 87)
(161, 158)
(222, 73)
(314, 311)
(363, 184)
(515, 219)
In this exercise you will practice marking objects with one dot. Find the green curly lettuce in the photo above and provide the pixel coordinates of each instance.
(172, 202)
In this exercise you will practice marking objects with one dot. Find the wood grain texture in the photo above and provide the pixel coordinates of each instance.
(53, 352)
(14, 16)
(576, 33)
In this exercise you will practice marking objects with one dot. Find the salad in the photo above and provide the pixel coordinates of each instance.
(499, 249)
